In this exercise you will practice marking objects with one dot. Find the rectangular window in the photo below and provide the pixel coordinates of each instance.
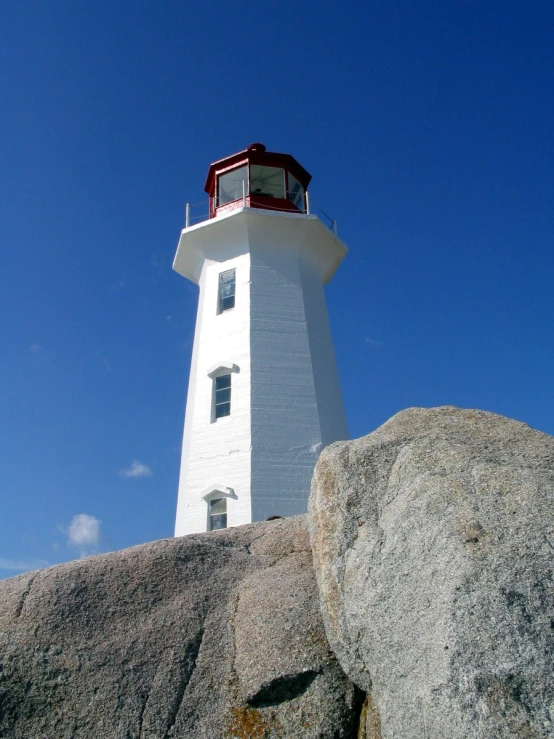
(218, 514)
(230, 185)
(222, 396)
(227, 285)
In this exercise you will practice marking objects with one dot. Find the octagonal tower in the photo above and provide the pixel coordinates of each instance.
(264, 395)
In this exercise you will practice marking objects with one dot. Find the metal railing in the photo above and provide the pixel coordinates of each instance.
(197, 212)
(317, 210)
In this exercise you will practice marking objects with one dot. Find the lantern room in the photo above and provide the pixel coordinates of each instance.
(257, 178)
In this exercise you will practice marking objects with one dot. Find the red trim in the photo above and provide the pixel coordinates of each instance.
(265, 203)
(235, 165)
(255, 154)
(256, 201)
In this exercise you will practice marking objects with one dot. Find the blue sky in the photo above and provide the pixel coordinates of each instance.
(428, 129)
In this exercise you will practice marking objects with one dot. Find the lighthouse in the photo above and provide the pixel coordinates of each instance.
(264, 395)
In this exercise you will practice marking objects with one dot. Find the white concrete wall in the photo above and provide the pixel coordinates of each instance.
(332, 418)
(286, 402)
(217, 451)
(285, 424)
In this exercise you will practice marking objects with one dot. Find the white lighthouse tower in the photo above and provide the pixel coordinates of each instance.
(264, 396)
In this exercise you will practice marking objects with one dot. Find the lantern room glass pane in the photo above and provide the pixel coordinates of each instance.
(218, 514)
(229, 185)
(296, 193)
(268, 181)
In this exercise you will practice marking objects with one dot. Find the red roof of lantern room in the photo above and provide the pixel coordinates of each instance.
(257, 154)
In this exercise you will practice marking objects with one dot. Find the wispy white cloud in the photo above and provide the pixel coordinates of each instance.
(120, 284)
(22, 565)
(136, 469)
(84, 533)
(374, 342)
(41, 356)
(105, 361)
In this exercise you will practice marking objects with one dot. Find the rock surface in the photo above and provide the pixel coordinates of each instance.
(433, 547)
(207, 636)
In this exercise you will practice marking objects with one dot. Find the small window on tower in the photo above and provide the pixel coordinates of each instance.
(227, 284)
(218, 514)
(222, 396)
